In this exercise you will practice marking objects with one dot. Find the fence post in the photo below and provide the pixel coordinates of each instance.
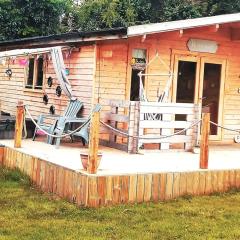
(1, 154)
(19, 125)
(204, 146)
(133, 129)
(93, 143)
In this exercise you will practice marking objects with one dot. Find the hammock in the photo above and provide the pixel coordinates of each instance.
(163, 96)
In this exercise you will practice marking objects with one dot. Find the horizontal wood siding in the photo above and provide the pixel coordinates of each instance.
(81, 65)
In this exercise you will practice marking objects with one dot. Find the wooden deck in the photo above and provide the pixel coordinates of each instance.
(124, 178)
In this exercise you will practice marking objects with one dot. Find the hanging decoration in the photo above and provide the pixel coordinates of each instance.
(8, 72)
(13, 60)
(58, 91)
(23, 62)
(67, 71)
(45, 99)
(52, 109)
(138, 61)
(3, 61)
(50, 81)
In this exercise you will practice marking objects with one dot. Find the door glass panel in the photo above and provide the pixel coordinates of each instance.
(138, 64)
(186, 79)
(211, 92)
(134, 94)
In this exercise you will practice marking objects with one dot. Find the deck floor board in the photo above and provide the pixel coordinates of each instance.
(115, 162)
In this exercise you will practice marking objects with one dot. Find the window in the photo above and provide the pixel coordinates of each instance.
(34, 74)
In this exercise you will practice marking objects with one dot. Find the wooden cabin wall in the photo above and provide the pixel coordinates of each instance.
(111, 76)
(82, 67)
(114, 69)
(111, 71)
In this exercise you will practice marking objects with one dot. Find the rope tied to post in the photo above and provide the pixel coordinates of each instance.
(117, 130)
(225, 128)
(157, 137)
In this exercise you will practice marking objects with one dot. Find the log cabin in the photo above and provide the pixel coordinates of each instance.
(175, 65)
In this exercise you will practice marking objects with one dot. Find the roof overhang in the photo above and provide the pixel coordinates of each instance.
(181, 24)
(66, 39)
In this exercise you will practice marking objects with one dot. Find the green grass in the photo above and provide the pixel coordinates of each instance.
(28, 214)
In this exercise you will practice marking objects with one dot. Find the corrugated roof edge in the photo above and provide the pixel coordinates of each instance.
(182, 24)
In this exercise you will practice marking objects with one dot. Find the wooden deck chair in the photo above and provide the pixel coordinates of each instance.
(71, 111)
(83, 133)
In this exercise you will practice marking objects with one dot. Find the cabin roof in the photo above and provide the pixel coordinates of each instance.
(69, 38)
(86, 38)
(182, 24)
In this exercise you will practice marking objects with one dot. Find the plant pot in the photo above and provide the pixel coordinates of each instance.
(84, 159)
(196, 150)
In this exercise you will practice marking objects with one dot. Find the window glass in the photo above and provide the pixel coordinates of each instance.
(39, 80)
(138, 64)
(30, 74)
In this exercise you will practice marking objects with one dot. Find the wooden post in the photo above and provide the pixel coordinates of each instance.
(93, 143)
(1, 154)
(19, 125)
(204, 147)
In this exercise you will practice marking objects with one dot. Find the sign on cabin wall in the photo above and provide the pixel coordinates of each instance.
(107, 54)
(199, 45)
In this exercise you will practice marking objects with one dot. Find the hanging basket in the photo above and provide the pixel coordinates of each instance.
(139, 66)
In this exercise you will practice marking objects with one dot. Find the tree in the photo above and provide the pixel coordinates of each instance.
(179, 9)
(216, 7)
(25, 18)
(98, 14)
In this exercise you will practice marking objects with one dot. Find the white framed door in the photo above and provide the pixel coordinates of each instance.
(211, 91)
(200, 80)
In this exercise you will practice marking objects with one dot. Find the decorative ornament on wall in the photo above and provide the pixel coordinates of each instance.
(58, 91)
(8, 72)
(200, 45)
(23, 62)
(45, 99)
(237, 139)
(50, 82)
(67, 71)
(52, 109)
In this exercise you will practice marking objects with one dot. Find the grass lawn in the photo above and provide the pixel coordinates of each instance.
(28, 214)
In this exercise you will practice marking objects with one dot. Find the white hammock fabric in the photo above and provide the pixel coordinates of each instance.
(59, 67)
(163, 97)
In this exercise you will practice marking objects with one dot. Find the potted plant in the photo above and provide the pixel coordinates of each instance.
(84, 159)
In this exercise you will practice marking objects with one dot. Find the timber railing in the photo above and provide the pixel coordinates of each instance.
(118, 118)
(135, 124)
(165, 119)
